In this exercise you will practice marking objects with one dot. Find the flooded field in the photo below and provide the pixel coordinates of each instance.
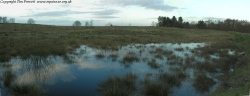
(119, 61)
(174, 69)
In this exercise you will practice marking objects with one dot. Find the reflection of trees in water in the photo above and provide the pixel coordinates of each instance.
(38, 69)
(37, 62)
(13, 88)
(25, 75)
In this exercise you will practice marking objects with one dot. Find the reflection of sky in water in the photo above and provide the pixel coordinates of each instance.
(81, 76)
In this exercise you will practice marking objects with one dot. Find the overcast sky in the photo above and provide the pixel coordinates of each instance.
(123, 12)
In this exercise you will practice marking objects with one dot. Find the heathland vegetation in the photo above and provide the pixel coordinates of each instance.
(26, 40)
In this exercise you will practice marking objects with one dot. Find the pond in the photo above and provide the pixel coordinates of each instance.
(136, 69)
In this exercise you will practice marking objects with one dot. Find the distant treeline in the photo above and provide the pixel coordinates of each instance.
(5, 20)
(226, 25)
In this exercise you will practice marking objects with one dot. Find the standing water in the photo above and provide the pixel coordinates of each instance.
(146, 69)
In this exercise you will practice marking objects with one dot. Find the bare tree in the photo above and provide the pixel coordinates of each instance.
(109, 24)
(1, 19)
(153, 24)
(86, 23)
(5, 20)
(31, 21)
(91, 22)
(77, 23)
(11, 20)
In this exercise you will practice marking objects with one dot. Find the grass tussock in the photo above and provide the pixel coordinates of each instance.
(156, 89)
(153, 64)
(25, 90)
(130, 58)
(99, 55)
(113, 57)
(118, 86)
(179, 49)
(171, 80)
(202, 83)
(8, 78)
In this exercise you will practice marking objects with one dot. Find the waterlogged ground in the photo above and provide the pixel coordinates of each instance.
(138, 69)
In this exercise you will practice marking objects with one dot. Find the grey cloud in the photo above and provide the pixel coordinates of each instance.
(152, 18)
(149, 4)
(104, 16)
(99, 14)
(214, 18)
(57, 13)
(192, 17)
(105, 12)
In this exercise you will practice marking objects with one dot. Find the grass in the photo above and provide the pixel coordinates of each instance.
(25, 40)
(179, 49)
(129, 58)
(25, 90)
(113, 57)
(153, 88)
(162, 85)
(156, 89)
(8, 78)
(153, 64)
(118, 86)
(202, 83)
(99, 55)
(38, 40)
(171, 80)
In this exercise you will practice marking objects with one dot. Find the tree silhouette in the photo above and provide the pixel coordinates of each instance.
(174, 22)
(201, 24)
(1, 19)
(86, 23)
(180, 20)
(77, 23)
(31, 21)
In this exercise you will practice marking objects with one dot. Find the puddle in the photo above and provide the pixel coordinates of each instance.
(83, 71)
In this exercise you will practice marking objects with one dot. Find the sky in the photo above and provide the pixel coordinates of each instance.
(123, 12)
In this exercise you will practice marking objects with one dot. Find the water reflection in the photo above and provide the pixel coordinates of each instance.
(150, 69)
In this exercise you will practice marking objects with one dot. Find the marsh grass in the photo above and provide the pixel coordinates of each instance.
(8, 78)
(99, 55)
(206, 66)
(6, 65)
(167, 53)
(113, 57)
(153, 88)
(171, 79)
(130, 57)
(154, 64)
(156, 89)
(162, 85)
(118, 86)
(159, 56)
(25, 90)
(179, 49)
(27, 40)
(202, 83)
(32, 40)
